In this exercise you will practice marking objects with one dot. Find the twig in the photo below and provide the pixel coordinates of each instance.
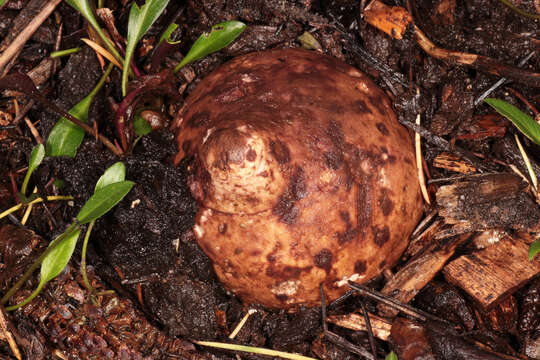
(445, 145)
(356, 349)
(369, 329)
(482, 63)
(33, 130)
(26, 33)
(389, 301)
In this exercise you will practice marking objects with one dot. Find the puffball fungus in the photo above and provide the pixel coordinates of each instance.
(302, 174)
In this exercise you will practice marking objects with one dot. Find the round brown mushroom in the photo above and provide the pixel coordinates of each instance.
(302, 174)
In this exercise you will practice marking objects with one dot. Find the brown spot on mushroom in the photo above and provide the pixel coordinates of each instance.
(251, 155)
(360, 267)
(381, 235)
(281, 297)
(386, 204)
(286, 272)
(323, 259)
(199, 119)
(383, 129)
(347, 236)
(280, 151)
(238, 251)
(360, 106)
(363, 206)
(186, 145)
(285, 208)
(382, 264)
(334, 159)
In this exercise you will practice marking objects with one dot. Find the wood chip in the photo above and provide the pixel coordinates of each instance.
(354, 321)
(409, 280)
(453, 163)
(490, 275)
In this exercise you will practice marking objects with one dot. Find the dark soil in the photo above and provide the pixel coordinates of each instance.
(167, 294)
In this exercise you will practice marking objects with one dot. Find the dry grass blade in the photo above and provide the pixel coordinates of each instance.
(421, 178)
(100, 50)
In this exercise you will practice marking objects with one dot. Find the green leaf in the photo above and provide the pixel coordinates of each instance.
(53, 263)
(86, 10)
(103, 200)
(140, 20)
(221, 35)
(391, 356)
(141, 126)
(66, 137)
(36, 157)
(115, 173)
(58, 258)
(166, 36)
(534, 249)
(523, 122)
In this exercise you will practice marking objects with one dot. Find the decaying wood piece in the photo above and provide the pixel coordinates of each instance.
(490, 201)
(392, 20)
(354, 321)
(452, 162)
(408, 281)
(490, 275)
(422, 241)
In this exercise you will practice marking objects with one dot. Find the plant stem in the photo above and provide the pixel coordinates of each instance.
(60, 53)
(27, 300)
(83, 257)
(73, 227)
(35, 201)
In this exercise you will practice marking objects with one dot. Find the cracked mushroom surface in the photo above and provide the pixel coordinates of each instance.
(302, 174)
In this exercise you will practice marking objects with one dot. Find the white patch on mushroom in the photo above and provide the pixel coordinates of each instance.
(205, 215)
(247, 79)
(345, 280)
(288, 288)
(208, 133)
(199, 232)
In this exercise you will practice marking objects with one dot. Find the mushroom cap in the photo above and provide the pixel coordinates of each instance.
(302, 174)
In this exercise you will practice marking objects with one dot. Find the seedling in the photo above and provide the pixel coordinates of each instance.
(36, 157)
(391, 356)
(140, 20)
(219, 37)
(66, 137)
(109, 192)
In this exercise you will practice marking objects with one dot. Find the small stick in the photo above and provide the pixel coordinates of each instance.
(26, 33)
(356, 349)
(33, 130)
(387, 300)
(369, 329)
(8, 335)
